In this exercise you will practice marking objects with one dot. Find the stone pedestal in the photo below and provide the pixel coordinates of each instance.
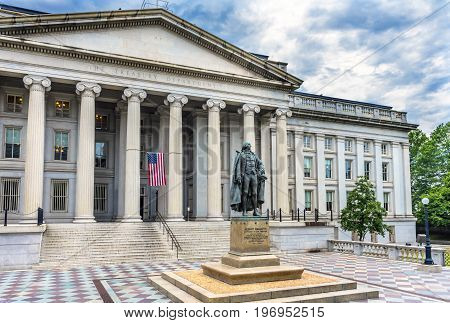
(249, 260)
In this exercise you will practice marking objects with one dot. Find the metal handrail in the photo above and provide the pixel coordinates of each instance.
(169, 232)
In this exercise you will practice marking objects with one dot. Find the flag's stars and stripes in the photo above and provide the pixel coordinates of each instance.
(156, 169)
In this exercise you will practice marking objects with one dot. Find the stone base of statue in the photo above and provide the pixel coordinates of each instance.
(251, 273)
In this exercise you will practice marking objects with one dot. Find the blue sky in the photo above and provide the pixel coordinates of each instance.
(322, 39)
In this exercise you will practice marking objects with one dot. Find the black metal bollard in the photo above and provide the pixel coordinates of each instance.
(316, 211)
(292, 215)
(304, 215)
(331, 215)
(5, 223)
(280, 215)
(298, 214)
(40, 218)
(268, 215)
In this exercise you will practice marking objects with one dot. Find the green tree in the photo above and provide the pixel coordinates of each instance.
(363, 213)
(439, 207)
(430, 163)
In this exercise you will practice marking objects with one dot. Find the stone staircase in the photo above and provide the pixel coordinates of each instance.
(72, 245)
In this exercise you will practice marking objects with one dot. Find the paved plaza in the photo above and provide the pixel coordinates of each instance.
(397, 281)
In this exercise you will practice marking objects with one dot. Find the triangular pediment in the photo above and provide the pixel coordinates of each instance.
(150, 35)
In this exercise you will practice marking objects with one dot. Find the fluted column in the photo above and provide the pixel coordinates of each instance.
(121, 108)
(248, 111)
(321, 188)
(407, 179)
(175, 173)
(214, 169)
(299, 170)
(378, 172)
(34, 158)
(163, 146)
(134, 97)
(342, 189)
(84, 199)
(282, 162)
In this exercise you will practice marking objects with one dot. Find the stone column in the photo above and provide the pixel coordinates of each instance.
(399, 183)
(163, 146)
(378, 172)
(273, 168)
(299, 171)
(248, 111)
(121, 108)
(175, 169)
(200, 176)
(359, 157)
(320, 171)
(213, 107)
(132, 155)
(34, 157)
(266, 157)
(342, 191)
(84, 199)
(282, 161)
(407, 178)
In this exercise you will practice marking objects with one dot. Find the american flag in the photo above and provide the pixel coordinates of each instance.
(156, 170)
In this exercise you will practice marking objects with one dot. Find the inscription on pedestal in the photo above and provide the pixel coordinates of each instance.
(247, 236)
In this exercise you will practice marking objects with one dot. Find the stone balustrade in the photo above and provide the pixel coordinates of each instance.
(358, 110)
(414, 254)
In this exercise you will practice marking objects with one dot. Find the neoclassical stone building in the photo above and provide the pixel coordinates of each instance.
(83, 96)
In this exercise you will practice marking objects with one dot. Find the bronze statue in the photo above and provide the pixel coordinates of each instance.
(247, 189)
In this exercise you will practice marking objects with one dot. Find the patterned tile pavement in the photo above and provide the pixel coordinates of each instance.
(397, 281)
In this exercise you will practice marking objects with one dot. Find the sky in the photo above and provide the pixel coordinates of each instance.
(389, 52)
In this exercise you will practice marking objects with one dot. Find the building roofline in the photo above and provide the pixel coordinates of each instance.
(21, 10)
(316, 96)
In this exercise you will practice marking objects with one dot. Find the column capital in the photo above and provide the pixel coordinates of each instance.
(247, 107)
(121, 107)
(282, 113)
(405, 145)
(214, 105)
(130, 94)
(43, 81)
(340, 138)
(88, 88)
(176, 100)
(162, 111)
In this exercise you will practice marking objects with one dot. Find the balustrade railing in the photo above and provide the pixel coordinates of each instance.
(413, 254)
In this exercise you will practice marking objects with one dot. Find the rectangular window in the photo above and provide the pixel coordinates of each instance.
(59, 195)
(328, 143)
(328, 168)
(307, 164)
(308, 200)
(10, 194)
(385, 171)
(348, 145)
(101, 122)
(100, 155)
(348, 169)
(367, 169)
(14, 103)
(329, 201)
(386, 198)
(307, 141)
(61, 145)
(384, 149)
(62, 108)
(290, 140)
(12, 142)
(366, 147)
(100, 198)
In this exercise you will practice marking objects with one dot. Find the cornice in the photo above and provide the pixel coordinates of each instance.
(19, 26)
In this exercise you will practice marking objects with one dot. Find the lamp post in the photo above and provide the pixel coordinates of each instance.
(428, 258)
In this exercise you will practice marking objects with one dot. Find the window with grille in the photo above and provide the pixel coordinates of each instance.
(348, 169)
(328, 143)
(384, 149)
(101, 122)
(307, 162)
(62, 108)
(329, 200)
(10, 194)
(367, 169)
(385, 171)
(308, 200)
(307, 141)
(59, 195)
(100, 155)
(100, 198)
(348, 145)
(12, 142)
(14, 103)
(61, 145)
(328, 168)
(386, 201)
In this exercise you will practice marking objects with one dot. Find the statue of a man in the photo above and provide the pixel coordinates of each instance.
(247, 190)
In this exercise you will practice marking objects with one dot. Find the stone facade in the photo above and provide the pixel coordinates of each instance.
(81, 102)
